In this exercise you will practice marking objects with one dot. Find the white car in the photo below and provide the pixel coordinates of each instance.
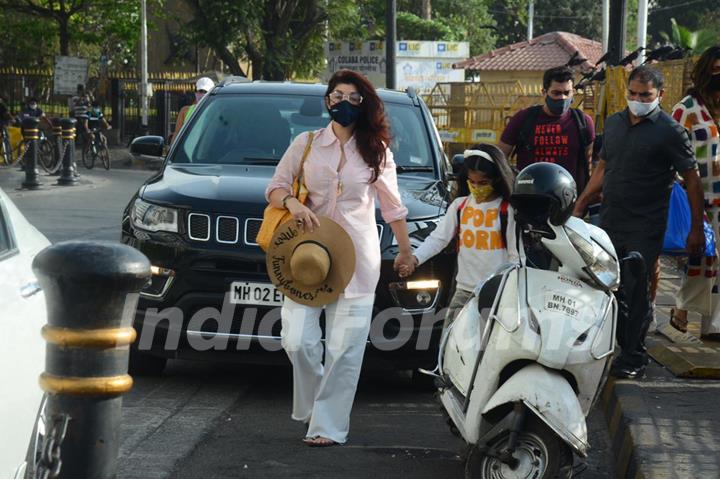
(22, 349)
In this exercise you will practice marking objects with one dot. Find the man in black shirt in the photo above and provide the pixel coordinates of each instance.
(642, 150)
(32, 109)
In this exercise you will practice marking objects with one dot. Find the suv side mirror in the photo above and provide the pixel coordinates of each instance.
(148, 146)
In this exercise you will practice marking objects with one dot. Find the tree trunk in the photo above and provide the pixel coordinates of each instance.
(64, 35)
(426, 12)
(254, 55)
(229, 59)
(273, 72)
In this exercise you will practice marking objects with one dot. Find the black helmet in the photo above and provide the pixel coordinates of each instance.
(544, 191)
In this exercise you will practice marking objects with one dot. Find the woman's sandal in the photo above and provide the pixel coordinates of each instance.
(319, 441)
(678, 324)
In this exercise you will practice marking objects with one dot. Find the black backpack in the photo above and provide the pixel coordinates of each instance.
(528, 128)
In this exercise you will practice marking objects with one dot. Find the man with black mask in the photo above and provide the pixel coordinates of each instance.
(552, 132)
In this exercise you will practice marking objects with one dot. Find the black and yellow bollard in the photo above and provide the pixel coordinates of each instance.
(91, 294)
(67, 177)
(57, 140)
(31, 135)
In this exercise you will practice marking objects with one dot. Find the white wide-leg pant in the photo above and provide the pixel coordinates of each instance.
(324, 394)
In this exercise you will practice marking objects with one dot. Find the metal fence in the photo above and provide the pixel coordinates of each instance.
(117, 93)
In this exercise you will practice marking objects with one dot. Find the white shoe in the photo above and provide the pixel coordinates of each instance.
(653, 324)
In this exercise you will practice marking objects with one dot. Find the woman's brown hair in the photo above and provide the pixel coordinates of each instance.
(372, 133)
(701, 75)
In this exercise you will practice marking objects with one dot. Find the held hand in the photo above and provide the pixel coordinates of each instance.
(303, 215)
(405, 264)
(696, 242)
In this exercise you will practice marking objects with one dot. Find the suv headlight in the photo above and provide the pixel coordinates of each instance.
(602, 267)
(152, 217)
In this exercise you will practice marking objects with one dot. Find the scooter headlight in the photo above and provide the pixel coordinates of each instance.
(601, 266)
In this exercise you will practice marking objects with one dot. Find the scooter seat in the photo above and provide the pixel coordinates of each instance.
(486, 296)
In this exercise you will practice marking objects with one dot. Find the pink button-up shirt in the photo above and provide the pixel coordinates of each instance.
(346, 197)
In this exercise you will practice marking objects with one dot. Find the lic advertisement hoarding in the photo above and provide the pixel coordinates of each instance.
(418, 64)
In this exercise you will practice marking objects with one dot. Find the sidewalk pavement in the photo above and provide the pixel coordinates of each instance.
(12, 176)
(665, 426)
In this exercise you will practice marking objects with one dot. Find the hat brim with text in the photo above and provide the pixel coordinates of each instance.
(311, 268)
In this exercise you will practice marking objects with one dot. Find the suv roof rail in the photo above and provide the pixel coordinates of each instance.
(412, 93)
(233, 79)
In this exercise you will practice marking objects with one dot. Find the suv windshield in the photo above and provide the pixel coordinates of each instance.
(257, 129)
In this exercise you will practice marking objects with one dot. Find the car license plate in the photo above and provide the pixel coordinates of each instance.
(256, 294)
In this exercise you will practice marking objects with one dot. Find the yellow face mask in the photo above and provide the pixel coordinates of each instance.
(481, 193)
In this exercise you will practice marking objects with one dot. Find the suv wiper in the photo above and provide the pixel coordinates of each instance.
(406, 169)
(260, 161)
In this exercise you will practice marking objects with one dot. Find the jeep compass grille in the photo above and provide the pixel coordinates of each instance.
(198, 227)
(228, 229)
(252, 226)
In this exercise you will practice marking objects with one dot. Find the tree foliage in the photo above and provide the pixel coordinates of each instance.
(470, 21)
(695, 42)
(89, 28)
(698, 15)
(458, 20)
(582, 17)
(280, 37)
(26, 41)
(412, 27)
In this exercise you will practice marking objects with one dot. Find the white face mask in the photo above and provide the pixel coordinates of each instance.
(641, 109)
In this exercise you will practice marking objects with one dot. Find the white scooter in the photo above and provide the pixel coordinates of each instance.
(525, 359)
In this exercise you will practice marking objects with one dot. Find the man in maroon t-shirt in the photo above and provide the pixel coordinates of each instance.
(552, 132)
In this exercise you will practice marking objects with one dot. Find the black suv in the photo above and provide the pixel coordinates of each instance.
(197, 219)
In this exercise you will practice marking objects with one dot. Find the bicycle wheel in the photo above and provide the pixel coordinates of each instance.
(105, 156)
(88, 158)
(5, 149)
(46, 157)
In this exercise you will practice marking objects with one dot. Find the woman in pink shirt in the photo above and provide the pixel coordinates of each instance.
(348, 166)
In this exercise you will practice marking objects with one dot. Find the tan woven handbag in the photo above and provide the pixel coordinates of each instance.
(274, 217)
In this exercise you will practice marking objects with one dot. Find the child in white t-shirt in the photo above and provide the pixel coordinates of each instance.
(480, 220)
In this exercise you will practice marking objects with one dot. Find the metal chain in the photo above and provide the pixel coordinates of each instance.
(23, 151)
(50, 463)
(64, 149)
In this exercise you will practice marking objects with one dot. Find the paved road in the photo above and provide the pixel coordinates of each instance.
(205, 420)
(92, 210)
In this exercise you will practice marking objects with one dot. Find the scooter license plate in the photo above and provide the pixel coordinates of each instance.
(561, 303)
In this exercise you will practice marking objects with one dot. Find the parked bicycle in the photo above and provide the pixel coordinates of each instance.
(97, 149)
(46, 156)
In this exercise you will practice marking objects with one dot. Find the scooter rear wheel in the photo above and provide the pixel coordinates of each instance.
(540, 454)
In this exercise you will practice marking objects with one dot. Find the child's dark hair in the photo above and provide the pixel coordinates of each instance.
(498, 170)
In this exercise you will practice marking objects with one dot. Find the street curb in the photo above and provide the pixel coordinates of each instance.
(620, 432)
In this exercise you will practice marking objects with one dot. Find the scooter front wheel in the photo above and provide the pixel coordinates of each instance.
(539, 454)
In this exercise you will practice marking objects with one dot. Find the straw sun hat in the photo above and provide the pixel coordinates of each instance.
(311, 268)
